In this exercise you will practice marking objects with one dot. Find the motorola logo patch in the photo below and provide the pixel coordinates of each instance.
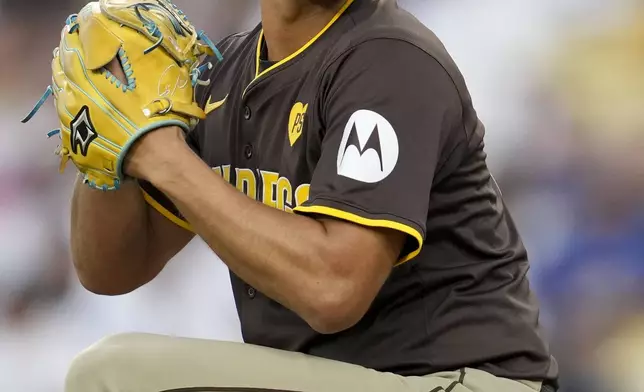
(82, 132)
(369, 148)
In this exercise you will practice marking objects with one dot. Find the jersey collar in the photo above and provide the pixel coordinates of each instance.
(259, 73)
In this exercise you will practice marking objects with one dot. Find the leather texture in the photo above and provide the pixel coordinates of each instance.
(101, 116)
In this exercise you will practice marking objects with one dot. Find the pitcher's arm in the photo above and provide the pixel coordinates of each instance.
(119, 243)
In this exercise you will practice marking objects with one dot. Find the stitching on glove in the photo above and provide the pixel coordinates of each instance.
(203, 37)
(153, 28)
(127, 69)
(72, 21)
(196, 73)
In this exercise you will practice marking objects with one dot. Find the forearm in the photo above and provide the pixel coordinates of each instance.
(109, 237)
(283, 255)
(327, 271)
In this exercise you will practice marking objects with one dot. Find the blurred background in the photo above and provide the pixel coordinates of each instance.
(560, 86)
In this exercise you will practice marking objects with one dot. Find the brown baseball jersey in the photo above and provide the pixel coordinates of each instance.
(371, 122)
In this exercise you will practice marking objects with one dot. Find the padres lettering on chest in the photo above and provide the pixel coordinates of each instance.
(263, 132)
(266, 186)
(258, 143)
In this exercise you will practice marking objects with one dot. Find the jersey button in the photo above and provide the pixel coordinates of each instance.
(248, 151)
(251, 293)
(247, 113)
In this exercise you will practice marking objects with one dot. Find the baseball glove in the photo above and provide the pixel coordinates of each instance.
(101, 116)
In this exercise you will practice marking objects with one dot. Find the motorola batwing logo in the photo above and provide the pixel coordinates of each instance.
(369, 148)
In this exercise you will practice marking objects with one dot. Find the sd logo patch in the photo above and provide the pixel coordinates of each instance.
(296, 122)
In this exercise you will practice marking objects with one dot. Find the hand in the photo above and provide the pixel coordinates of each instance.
(145, 152)
(155, 152)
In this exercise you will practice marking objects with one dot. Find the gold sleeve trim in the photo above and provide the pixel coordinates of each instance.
(383, 223)
(165, 212)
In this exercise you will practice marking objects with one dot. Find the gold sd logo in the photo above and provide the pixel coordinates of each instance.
(296, 122)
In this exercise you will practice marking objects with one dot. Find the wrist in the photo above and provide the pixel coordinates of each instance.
(168, 168)
(156, 153)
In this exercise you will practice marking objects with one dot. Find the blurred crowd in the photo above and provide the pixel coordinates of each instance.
(560, 87)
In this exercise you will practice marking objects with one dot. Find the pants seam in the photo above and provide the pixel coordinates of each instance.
(453, 385)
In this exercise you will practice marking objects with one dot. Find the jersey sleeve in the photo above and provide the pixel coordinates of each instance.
(387, 107)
